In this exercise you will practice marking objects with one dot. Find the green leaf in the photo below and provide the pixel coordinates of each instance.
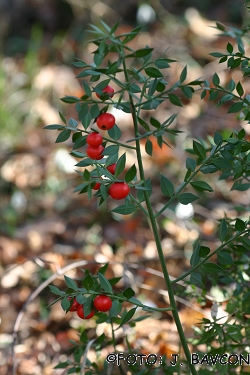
(213, 95)
(56, 290)
(236, 107)
(239, 186)
(240, 225)
(62, 365)
(195, 278)
(153, 72)
(230, 47)
(152, 87)
(131, 35)
(175, 100)
(211, 268)
(149, 147)
(163, 63)
(223, 230)
(135, 301)
(120, 165)
(130, 174)
(226, 98)
(81, 299)
(217, 138)
(134, 88)
(128, 316)
(54, 127)
(87, 89)
(70, 283)
(88, 282)
(225, 258)
(187, 198)
(125, 209)
(216, 54)
(103, 269)
(72, 122)
(80, 142)
(94, 111)
(105, 284)
(155, 122)
(70, 99)
(239, 89)
(216, 79)
(191, 164)
(128, 293)
(199, 150)
(86, 120)
(124, 106)
(183, 75)
(187, 91)
(65, 303)
(143, 123)
(245, 242)
(87, 307)
(140, 52)
(115, 132)
(204, 251)
(166, 185)
(195, 257)
(201, 186)
(111, 150)
(115, 309)
(63, 136)
(231, 85)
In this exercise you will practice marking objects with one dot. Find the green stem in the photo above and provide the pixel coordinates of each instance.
(209, 256)
(157, 239)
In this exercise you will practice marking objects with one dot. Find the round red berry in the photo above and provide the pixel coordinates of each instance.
(74, 304)
(111, 168)
(102, 303)
(80, 312)
(109, 90)
(119, 190)
(94, 139)
(105, 121)
(95, 152)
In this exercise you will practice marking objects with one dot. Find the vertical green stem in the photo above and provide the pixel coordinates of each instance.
(157, 238)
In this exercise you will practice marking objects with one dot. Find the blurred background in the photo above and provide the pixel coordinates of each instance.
(44, 226)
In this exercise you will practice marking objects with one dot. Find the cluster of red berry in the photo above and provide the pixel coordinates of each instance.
(105, 121)
(101, 303)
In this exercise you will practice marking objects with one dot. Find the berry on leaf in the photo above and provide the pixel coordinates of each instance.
(102, 303)
(119, 190)
(96, 186)
(80, 312)
(111, 168)
(74, 305)
(108, 90)
(105, 121)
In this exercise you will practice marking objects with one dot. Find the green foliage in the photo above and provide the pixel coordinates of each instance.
(143, 88)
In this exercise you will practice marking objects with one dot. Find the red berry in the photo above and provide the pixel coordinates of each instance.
(96, 186)
(94, 139)
(80, 312)
(111, 168)
(95, 152)
(102, 303)
(109, 90)
(74, 304)
(119, 190)
(105, 121)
